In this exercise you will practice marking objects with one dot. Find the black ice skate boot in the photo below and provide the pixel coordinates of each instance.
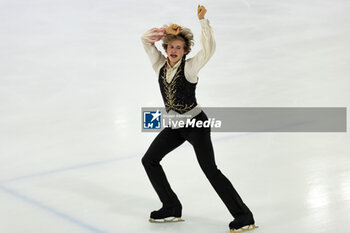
(242, 222)
(167, 214)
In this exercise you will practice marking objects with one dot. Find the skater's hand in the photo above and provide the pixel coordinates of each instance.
(153, 35)
(173, 29)
(201, 11)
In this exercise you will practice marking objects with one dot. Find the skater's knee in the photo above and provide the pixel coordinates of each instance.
(148, 162)
(145, 161)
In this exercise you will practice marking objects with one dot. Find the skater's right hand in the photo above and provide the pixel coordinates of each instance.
(153, 35)
(173, 29)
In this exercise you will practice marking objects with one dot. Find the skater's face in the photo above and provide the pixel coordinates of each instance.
(175, 51)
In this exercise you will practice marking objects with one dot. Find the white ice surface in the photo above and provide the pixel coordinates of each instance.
(73, 79)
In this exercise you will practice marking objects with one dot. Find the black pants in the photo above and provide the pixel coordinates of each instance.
(169, 139)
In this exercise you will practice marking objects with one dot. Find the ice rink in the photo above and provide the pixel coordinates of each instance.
(73, 79)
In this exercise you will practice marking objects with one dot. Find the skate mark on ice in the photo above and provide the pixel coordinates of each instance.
(65, 169)
(50, 210)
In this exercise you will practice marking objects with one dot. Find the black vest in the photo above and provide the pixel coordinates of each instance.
(178, 95)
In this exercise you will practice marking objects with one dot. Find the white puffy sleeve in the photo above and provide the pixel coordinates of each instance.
(148, 39)
(196, 63)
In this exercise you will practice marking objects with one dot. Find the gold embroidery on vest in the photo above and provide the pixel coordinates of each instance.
(170, 92)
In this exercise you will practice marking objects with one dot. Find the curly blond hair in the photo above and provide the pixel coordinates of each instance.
(185, 35)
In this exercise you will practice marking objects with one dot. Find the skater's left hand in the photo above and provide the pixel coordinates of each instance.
(201, 11)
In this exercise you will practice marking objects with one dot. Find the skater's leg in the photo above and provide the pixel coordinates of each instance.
(201, 141)
(167, 140)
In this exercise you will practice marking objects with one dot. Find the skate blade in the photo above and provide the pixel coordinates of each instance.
(243, 229)
(166, 220)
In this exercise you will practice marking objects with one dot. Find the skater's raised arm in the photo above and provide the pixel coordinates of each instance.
(208, 45)
(148, 39)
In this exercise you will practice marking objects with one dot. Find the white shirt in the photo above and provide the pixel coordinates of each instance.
(192, 65)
